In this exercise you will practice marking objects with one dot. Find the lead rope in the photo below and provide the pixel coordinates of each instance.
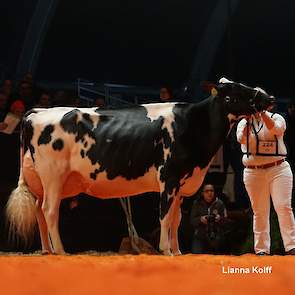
(134, 239)
(247, 139)
(254, 107)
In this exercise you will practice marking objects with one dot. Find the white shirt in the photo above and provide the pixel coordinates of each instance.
(264, 134)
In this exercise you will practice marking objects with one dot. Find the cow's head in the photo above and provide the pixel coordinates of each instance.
(240, 99)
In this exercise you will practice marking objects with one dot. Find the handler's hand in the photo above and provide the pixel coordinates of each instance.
(217, 218)
(204, 219)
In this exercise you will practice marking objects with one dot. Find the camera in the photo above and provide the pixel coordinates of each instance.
(211, 228)
(211, 218)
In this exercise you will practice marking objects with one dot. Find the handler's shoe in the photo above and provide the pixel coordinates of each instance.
(291, 252)
(262, 254)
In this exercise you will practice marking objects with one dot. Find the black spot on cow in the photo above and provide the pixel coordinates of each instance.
(58, 145)
(80, 128)
(166, 138)
(93, 175)
(69, 122)
(84, 127)
(87, 118)
(165, 204)
(127, 143)
(27, 135)
(45, 136)
(82, 153)
(85, 144)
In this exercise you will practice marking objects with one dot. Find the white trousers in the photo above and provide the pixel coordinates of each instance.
(261, 184)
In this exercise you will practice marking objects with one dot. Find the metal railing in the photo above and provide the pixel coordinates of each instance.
(114, 94)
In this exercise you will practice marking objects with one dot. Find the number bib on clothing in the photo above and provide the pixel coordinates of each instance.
(267, 146)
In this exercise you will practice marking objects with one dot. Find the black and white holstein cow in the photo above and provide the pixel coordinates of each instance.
(109, 153)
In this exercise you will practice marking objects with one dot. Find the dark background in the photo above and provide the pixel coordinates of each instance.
(154, 42)
(147, 43)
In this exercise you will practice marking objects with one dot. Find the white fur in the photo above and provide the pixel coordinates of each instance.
(20, 211)
(224, 80)
(260, 89)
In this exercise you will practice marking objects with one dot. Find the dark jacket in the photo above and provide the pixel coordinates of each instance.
(201, 208)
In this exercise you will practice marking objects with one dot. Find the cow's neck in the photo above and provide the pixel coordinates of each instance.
(209, 132)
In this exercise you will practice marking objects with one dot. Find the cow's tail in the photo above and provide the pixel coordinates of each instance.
(20, 208)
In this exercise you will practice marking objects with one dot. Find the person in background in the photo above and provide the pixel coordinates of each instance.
(207, 217)
(61, 98)
(28, 77)
(7, 88)
(267, 174)
(3, 109)
(44, 100)
(26, 94)
(165, 94)
(99, 101)
(17, 108)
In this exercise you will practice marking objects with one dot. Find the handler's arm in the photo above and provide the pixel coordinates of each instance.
(242, 131)
(276, 124)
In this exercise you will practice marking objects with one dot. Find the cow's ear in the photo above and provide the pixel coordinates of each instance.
(207, 86)
(214, 92)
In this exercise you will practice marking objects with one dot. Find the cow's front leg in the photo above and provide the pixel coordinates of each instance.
(165, 221)
(175, 221)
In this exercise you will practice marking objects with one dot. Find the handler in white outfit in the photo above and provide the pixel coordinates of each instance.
(266, 174)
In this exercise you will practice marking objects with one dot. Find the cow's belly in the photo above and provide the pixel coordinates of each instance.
(120, 187)
(191, 185)
(77, 183)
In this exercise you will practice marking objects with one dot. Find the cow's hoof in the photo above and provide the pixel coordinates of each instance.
(60, 253)
(166, 252)
(177, 253)
(46, 252)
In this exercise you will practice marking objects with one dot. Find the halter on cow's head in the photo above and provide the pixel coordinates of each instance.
(240, 99)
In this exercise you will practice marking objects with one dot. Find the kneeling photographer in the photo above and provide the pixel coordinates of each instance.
(207, 217)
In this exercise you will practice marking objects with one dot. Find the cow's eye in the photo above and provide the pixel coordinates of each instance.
(227, 98)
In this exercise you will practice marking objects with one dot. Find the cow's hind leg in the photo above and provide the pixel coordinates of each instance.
(50, 208)
(46, 249)
(165, 221)
(176, 218)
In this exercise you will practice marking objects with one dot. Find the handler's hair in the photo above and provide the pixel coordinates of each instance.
(205, 184)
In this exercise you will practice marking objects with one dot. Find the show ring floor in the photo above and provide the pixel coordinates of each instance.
(144, 274)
